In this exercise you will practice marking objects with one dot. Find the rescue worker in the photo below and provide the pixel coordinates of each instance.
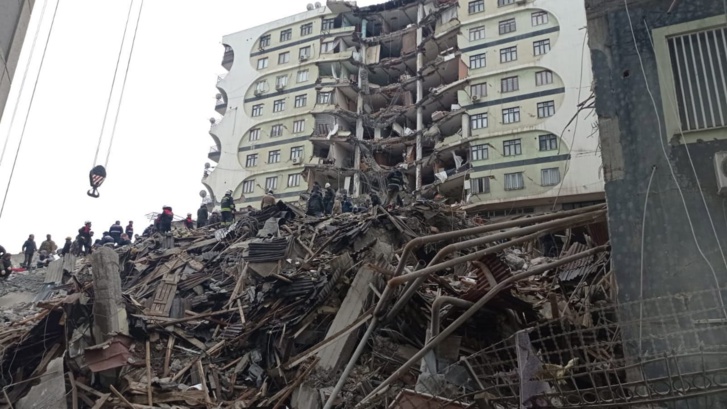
(29, 249)
(116, 231)
(2, 251)
(48, 245)
(7, 265)
(375, 199)
(328, 196)
(346, 205)
(316, 186)
(227, 205)
(188, 222)
(267, 201)
(84, 238)
(130, 229)
(124, 241)
(43, 259)
(202, 215)
(148, 231)
(214, 219)
(165, 219)
(336, 206)
(107, 238)
(67, 247)
(395, 181)
(315, 204)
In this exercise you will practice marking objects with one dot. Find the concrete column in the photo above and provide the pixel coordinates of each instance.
(420, 96)
(359, 126)
(466, 133)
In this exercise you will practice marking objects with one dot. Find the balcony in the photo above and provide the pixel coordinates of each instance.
(228, 58)
(220, 105)
(214, 153)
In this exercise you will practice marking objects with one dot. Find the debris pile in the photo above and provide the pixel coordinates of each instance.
(285, 309)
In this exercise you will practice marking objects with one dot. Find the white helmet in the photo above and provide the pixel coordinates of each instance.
(328, 185)
(229, 192)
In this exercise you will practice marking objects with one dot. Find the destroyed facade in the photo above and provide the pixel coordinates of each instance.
(484, 102)
(14, 20)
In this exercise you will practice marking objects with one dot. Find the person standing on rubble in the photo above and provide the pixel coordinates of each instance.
(49, 246)
(315, 204)
(346, 204)
(67, 246)
(375, 199)
(336, 206)
(116, 231)
(7, 267)
(130, 229)
(29, 249)
(267, 201)
(165, 219)
(395, 184)
(202, 215)
(188, 222)
(107, 238)
(329, 196)
(84, 238)
(227, 205)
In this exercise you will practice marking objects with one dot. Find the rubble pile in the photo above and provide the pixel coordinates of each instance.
(271, 311)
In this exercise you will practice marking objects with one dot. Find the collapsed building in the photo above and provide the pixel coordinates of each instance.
(485, 102)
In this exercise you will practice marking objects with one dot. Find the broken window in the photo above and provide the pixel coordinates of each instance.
(328, 24)
(299, 126)
(274, 156)
(543, 77)
(511, 115)
(477, 33)
(480, 185)
(294, 180)
(306, 29)
(296, 152)
(325, 98)
(539, 18)
(279, 105)
(476, 6)
(248, 186)
(509, 84)
(261, 86)
(477, 61)
(514, 181)
(328, 47)
(541, 47)
(271, 183)
(304, 53)
(478, 90)
(302, 76)
(276, 130)
(478, 121)
(284, 58)
(281, 81)
(548, 142)
(550, 177)
(508, 54)
(546, 109)
(480, 152)
(508, 26)
(254, 134)
(257, 110)
(262, 63)
(301, 100)
(251, 160)
(501, 3)
(512, 147)
(265, 41)
(286, 35)
(322, 129)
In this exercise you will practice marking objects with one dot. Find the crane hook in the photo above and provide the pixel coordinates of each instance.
(96, 177)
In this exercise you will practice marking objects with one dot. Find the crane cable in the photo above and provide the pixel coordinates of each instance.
(30, 105)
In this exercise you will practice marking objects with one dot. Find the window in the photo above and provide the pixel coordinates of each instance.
(327, 47)
(543, 77)
(286, 35)
(251, 160)
(512, 147)
(261, 86)
(501, 3)
(480, 152)
(257, 110)
(271, 183)
(254, 134)
(539, 18)
(284, 58)
(262, 63)
(328, 24)
(478, 121)
(477, 61)
(546, 109)
(508, 54)
(294, 180)
(279, 105)
(281, 81)
(324, 97)
(480, 185)
(479, 90)
(477, 33)
(322, 129)
(509, 84)
(302, 76)
(541, 47)
(276, 130)
(508, 26)
(511, 115)
(301, 100)
(548, 142)
(550, 177)
(299, 126)
(296, 152)
(306, 29)
(265, 41)
(274, 156)
(514, 181)
(304, 53)
(476, 6)
(248, 186)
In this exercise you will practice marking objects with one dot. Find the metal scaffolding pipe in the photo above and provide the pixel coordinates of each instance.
(471, 311)
(437, 305)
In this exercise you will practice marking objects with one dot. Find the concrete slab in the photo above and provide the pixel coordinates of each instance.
(13, 299)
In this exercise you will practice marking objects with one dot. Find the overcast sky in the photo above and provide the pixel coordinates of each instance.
(162, 138)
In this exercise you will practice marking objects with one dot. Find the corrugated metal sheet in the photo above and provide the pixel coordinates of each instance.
(586, 265)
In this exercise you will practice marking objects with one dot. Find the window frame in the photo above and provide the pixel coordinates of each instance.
(551, 172)
(478, 87)
(251, 160)
(541, 47)
(507, 26)
(511, 115)
(479, 119)
(257, 110)
(541, 75)
(279, 105)
(475, 6)
(299, 75)
(328, 22)
(253, 135)
(307, 54)
(508, 52)
(284, 57)
(262, 63)
(477, 33)
(306, 29)
(479, 152)
(300, 101)
(296, 178)
(539, 18)
(325, 101)
(276, 130)
(512, 147)
(519, 178)
(482, 188)
(477, 59)
(547, 141)
(281, 81)
(509, 84)
(265, 41)
(286, 35)
(546, 105)
(503, 3)
(299, 126)
(248, 186)
(296, 152)
(273, 156)
(271, 183)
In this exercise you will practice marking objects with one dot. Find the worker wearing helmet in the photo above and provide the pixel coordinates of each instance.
(188, 222)
(268, 200)
(329, 195)
(227, 205)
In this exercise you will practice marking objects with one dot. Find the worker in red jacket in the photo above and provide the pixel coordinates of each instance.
(188, 222)
(165, 219)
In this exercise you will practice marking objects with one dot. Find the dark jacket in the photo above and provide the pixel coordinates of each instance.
(116, 231)
(29, 246)
(227, 203)
(2, 251)
(108, 240)
(166, 217)
(130, 230)
(315, 204)
(189, 223)
(329, 195)
(124, 242)
(7, 266)
(395, 179)
(66, 248)
(85, 232)
(202, 215)
(346, 206)
(375, 199)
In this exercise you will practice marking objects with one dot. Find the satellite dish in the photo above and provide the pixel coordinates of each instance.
(318, 4)
(309, 6)
(212, 121)
(206, 166)
(203, 193)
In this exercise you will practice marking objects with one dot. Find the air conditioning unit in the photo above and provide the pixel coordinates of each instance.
(720, 170)
(304, 58)
(475, 98)
(297, 161)
(279, 87)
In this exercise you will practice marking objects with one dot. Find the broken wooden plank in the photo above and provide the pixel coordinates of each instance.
(122, 398)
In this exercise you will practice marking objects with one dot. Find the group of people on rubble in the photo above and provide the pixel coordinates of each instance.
(115, 236)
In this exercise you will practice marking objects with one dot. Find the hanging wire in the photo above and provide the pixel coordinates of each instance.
(30, 105)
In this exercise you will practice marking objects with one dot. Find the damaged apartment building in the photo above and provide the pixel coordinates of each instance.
(487, 103)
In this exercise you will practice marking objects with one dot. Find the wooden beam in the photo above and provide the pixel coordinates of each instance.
(122, 398)
(168, 357)
(148, 374)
